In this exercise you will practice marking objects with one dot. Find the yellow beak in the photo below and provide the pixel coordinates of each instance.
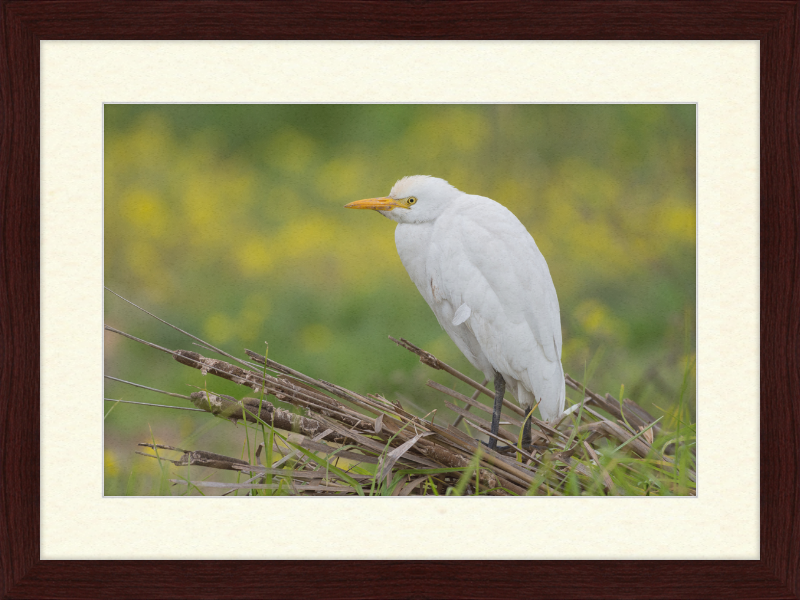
(384, 203)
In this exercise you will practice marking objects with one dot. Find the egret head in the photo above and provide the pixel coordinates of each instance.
(414, 199)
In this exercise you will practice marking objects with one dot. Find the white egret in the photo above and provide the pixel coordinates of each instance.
(488, 284)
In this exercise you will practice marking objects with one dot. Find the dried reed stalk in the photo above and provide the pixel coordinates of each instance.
(369, 429)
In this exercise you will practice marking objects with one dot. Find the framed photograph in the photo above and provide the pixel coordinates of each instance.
(108, 105)
(231, 217)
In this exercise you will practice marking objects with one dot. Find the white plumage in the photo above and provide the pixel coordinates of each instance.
(486, 281)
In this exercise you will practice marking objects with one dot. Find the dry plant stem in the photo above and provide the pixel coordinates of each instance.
(439, 454)
(338, 391)
(574, 465)
(192, 359)
(243, 377)
(491, 459)
(229, 408)
(263, 486)
(199, 458)
(379, 447)
(343, 393)
(334, 389)
(635, 414)
(607, 483)
(135, 339)
(638, 446)
(282, 389)
(433, 362)
(225, 370)
(315, 474)
(397, 438)
(271, 364)
(470, 402)
(393, 411)
(476, 420)
(474, 396)
(294, 453)
(216, 461)
(353, 436)
(427, 447)
(168, 324)
(144, 387)
(440, 457)
(612, 430)
(498, 438)
(154, 405)
(310, 444)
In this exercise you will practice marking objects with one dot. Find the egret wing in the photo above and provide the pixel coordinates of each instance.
(494, 266)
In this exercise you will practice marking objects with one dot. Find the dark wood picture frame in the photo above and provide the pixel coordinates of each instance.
(775, 23)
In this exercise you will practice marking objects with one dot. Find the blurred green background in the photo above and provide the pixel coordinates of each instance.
(228, 221)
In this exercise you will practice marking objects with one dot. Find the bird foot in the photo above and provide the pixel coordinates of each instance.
(488, 445)
(527, 447)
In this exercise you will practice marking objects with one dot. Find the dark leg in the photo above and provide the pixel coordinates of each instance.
(527, 443)
(499, 391)
(526, 429)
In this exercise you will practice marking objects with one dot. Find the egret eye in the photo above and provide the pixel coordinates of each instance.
(411, 200)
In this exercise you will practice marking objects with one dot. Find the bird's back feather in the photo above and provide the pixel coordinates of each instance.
(479, 254)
